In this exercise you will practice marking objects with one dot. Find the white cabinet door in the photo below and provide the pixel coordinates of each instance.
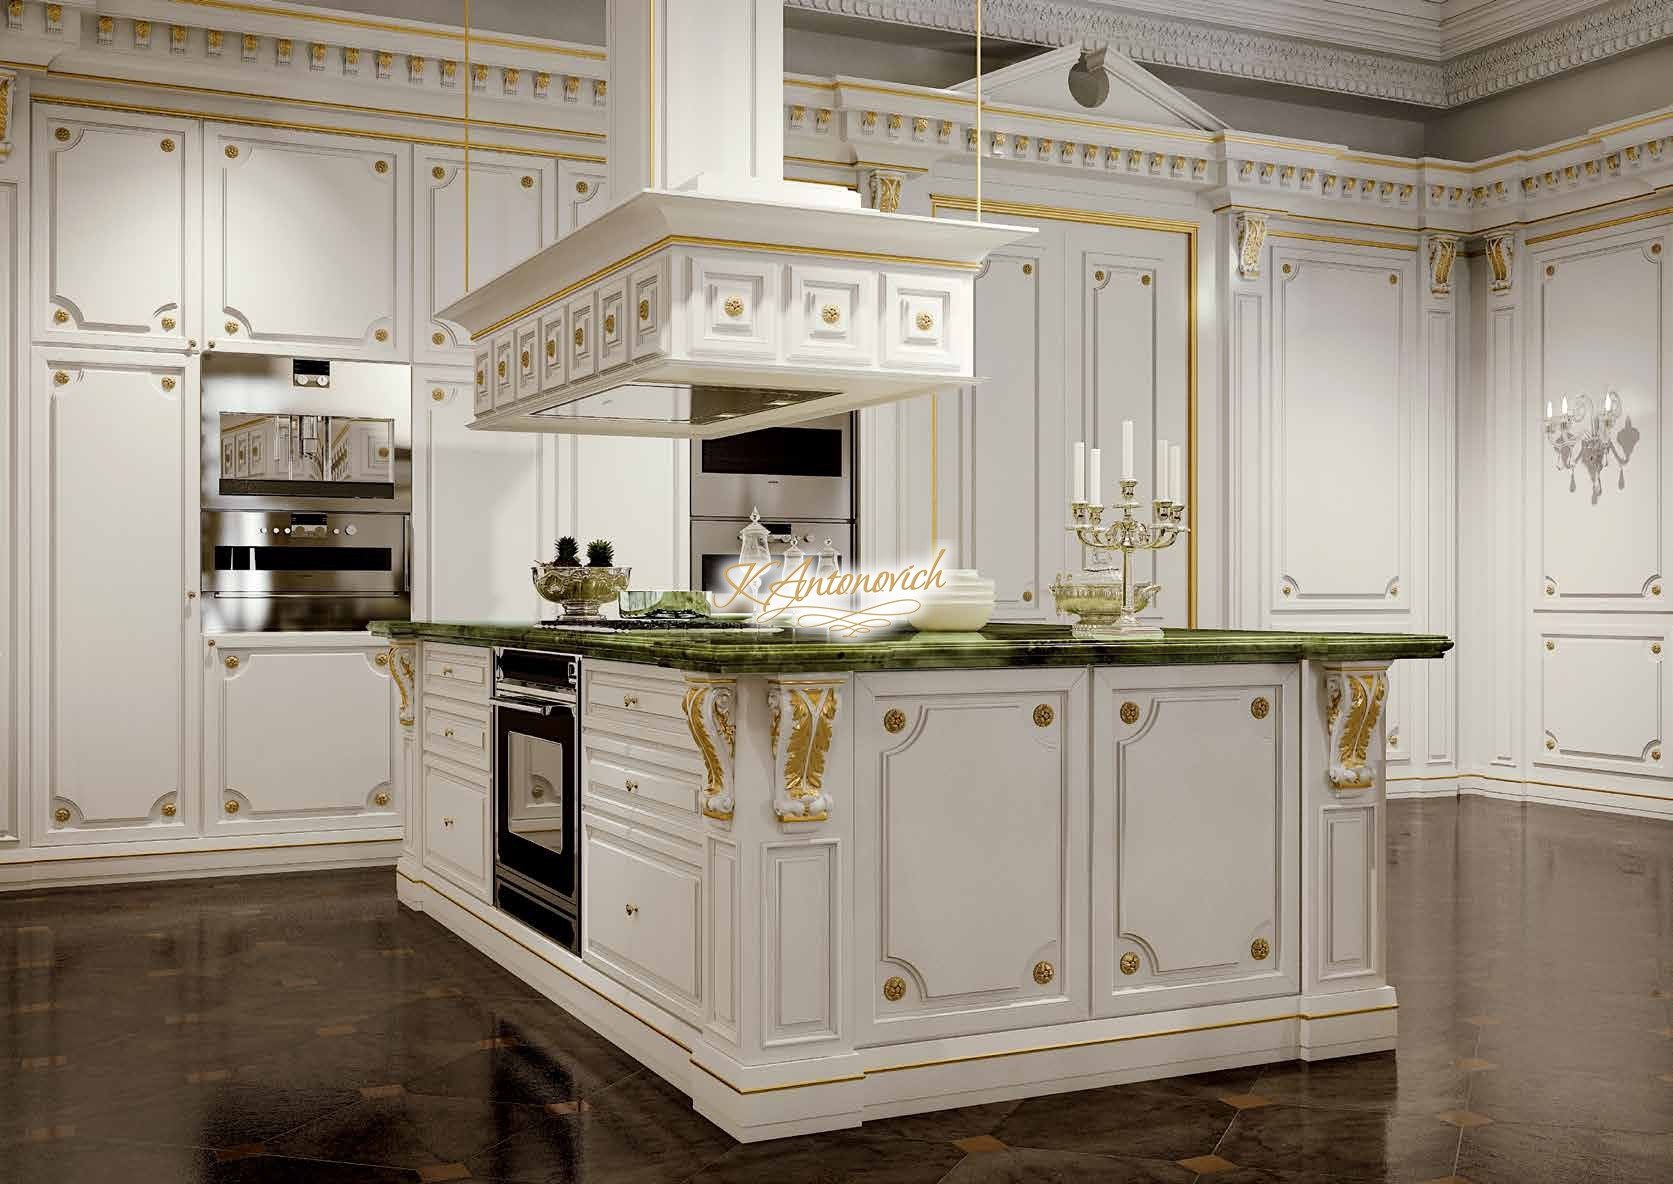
(582, 194)
(513, 214)
(307, 242)
(114, 533)
(116, 228)
(1196, 845)
(636, 492)
(297, 736)
(970, 816)
(480, 522)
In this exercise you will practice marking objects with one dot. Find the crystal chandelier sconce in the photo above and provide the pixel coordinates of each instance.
(1588, 436)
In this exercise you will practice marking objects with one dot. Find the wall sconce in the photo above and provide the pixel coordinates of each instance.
(1584, 434)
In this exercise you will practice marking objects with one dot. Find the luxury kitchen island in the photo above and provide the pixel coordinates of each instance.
(820, 883)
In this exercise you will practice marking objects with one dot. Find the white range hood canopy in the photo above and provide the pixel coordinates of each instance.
(718, 297)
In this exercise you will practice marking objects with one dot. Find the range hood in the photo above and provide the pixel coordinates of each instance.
(717, 297)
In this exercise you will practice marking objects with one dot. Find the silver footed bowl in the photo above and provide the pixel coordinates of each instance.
(582, 591)
(1096, 604)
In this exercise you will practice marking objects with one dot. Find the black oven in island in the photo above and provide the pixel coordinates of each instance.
(537, 797)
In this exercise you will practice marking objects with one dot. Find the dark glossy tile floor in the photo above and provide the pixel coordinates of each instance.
(306, 1028)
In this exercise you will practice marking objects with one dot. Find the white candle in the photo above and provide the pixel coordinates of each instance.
(1565, 404)
(1176, 488)
(1126, 450)
(1080, 469)
(1161, 469)
(1548, 409)
(1095, 481)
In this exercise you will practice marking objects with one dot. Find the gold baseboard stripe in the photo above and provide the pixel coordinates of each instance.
(326, 129)
(1620, 793)
(120, 854)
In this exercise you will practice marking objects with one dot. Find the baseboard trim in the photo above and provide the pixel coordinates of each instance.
(1515, 789)
(70, 868)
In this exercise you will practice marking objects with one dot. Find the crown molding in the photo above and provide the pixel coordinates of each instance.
(1390, 54)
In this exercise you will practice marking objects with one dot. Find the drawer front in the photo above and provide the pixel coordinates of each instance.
(733, 308)
(528, 359)
(612, 324)
(625, 704)
(456, 672)
(833, 314)
(660, 794)
(552, 352)
(919, 315)
(644, 916)
(583, 339)
(451, 732)
(649, 314)
(484, 393)
(456, 830)
(505, 371)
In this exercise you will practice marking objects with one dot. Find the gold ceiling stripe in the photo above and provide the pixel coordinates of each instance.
(596, 55)
(323, 104)
(1344, 241)
(1621, 221)
(359, 133)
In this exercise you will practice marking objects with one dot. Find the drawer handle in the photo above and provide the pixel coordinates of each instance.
(447, 822)
(630, 700)
(632, 910)
(631, 785)
(537, 793)
(448, 732)
(447, 672)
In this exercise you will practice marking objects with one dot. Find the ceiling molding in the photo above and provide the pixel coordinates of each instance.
(1459, 55)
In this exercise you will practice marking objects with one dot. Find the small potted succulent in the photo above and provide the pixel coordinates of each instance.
(581, 591)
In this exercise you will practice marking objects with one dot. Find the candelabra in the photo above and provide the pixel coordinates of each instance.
(1099, 618)
(1593, 444)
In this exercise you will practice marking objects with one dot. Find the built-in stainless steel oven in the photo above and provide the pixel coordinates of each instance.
(537, 763)
(306, 491)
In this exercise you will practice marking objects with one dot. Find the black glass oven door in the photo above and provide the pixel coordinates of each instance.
(537, 785)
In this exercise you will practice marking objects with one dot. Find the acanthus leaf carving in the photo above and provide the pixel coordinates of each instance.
(804, 714)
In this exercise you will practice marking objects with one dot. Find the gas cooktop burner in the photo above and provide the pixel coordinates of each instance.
(692, 621)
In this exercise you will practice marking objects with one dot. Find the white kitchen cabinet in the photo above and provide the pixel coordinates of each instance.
(635, 491)
(479, 523)
(513, 214)
(307, 243)
(970, 817)
(583, 194)
(297, 733)
(115, 561)
(1196, 812)
(458, 839)
(117, 225)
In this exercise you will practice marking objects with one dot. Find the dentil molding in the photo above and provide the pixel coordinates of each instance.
(1270, 57)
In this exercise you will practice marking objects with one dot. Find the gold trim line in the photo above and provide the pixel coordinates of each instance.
(1571, 231)
(1344, 241)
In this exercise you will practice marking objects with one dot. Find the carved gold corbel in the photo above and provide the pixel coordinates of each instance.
(6, 79)
(1501, 258)
(885, 191)
(708, 708)
(804, 713)
(1353, 703)
(1251, 234)
(1443, 250)
(401, 670)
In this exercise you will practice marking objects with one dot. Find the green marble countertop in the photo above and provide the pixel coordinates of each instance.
(997, 647)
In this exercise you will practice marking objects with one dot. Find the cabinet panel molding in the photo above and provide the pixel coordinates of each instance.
(1604, 697)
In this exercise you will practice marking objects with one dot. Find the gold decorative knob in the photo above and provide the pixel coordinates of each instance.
(231, 806)
(1027, 269)
(1288, 269)
(630, 700)
(1098, 276)
(61, 815)
(438, 338)
(59, 316)
(500, 369)
(610, 323)
(167, 383)
(1027, 596)
(447, 822)
(581, 187)
(524, 360)
(528, 182)
(1260, 707)
(438, 394)
(1044, 973)
(1655, 647)
(232, 326)
(580, 336)
(1655, 754)
(1129, 963)
(734, 307)
(1393, 279)
(1129, 712)
(1144, 280)
(644, 310)
(230, 661)
(537, 793)
(1259, 949)
(632, 910)
(830, 314)
(170, 809)
(381, 659)
(381, 166)
(232, 151)
(1655, 589)
(438, 172)
(59, 378)
(551, 348)
(479, 378)
(894, 990)
(924, 321)
(168, 322)
(447, 733)
(1550, 645)
(381, 335)
(630, 785)
(1043, 715)
(1550, 743)
(894, 719)
(61, 134)
(380, 798)
(447, 671)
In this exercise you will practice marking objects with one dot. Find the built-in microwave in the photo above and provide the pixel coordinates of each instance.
(805, 472)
